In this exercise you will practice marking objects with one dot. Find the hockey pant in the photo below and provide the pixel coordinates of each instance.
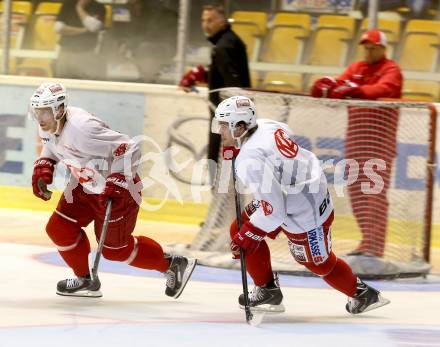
(65, 229)
(311, 249)
(371, 134)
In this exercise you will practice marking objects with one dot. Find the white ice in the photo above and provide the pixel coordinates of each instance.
(135, 312)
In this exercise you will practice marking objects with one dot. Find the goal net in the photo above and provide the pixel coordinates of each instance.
(394, 225)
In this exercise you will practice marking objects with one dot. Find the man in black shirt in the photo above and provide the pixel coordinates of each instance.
(79, 23)
(228, 68)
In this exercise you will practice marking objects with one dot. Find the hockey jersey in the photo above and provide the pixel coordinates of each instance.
(90, 149)
(287, 180)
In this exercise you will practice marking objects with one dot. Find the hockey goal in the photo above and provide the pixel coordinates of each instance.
(322, 125)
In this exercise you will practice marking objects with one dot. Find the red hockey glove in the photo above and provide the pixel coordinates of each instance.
(248, 238)
(230, 152)
(345, 90)
(42, 176)
(196, 74)
(116, 187)
(323, 86)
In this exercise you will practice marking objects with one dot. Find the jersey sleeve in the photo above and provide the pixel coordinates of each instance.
(389, 84)
(45, 150)
(47, 153)
(258, 175)
(98, 140)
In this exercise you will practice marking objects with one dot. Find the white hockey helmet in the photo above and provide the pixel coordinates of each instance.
(51, 95)
(234, 110)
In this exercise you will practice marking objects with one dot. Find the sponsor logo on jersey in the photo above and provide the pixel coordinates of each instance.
(228, 154)
(123, 147)
(324, 204)
(82, 174)
(252, 207)
(45, 140)
(243, 103)
(299, 252)
(285, 145)
(267, 208)
(317, 245)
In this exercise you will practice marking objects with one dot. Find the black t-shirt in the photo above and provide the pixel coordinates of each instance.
(69, 16)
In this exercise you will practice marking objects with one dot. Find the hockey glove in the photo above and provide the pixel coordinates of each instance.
(322, 87)
(42, 176)
(196, 74)
(345, 90)
(248, 238)
(116, 187)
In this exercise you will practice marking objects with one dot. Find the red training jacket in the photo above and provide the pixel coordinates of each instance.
(380, 80)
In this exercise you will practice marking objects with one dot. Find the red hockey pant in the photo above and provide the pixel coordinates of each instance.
(311, 249)
(72, 214)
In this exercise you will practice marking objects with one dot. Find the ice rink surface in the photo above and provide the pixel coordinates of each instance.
(135, 312)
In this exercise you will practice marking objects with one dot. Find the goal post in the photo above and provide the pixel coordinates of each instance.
(394, 225)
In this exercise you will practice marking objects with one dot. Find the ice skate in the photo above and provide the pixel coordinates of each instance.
(267, 298)
(178, 274)
(365, 299)
(80, 286)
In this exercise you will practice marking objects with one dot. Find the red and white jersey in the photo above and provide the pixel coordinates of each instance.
(90, 149)
(287, 180)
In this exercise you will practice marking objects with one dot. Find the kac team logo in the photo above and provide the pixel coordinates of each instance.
(285, 145)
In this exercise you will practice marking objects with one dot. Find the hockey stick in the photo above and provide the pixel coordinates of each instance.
(247, 308)
(108, 210)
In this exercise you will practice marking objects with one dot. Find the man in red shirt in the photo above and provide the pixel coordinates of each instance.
(371, 134)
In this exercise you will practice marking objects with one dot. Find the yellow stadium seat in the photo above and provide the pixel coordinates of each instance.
(256, 79)
(20, 15)
(285, 41)
(283, 81)
(421, 90)
(108, 20)
(250, 27)
(331, 40)
(44, 35)
(420, 47)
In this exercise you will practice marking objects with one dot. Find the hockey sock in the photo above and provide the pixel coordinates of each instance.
(342, 278)
(258, 265)
(150, 255)
(77, 257)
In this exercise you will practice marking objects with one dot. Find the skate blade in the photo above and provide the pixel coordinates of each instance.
(257, 318)
(186, 276)
(267, 308)
(83, 294)
(381, 302)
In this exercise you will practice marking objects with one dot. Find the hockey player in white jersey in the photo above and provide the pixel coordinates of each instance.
(103, 165)
(290, 196)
